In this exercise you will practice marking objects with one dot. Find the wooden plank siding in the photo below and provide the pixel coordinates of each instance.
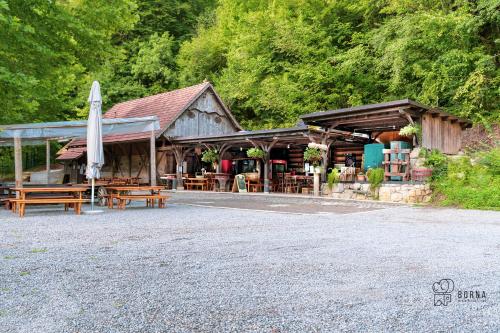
(441, 133)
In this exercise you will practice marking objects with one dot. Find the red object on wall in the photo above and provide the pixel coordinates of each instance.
(226, 166)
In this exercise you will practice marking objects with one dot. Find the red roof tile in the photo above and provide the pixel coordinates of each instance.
(72, 153)
(166, 106)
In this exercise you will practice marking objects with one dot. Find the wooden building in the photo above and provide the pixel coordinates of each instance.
(195, 118)
(192, 111)
(384, 120)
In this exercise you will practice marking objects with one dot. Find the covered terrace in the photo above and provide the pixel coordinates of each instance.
(273, 142)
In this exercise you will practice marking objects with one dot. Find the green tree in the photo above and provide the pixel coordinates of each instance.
(47, 48)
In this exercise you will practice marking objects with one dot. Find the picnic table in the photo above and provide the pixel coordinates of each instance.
(70, 196)
(143, 192)
(197, 183)
(295, 183)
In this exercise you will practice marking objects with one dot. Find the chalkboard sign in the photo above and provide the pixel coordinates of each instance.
(240, 184)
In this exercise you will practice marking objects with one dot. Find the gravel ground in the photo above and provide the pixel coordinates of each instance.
(197, 267)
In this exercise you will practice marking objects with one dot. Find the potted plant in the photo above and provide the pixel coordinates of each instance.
(412, 130)
(313, 154)
(255, 153)
(211, 156)
(360, 177)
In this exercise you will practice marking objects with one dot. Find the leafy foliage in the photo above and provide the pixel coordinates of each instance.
(210, 156)
(293, 57)
(375, 178)
(255, 153)
(333, 178)
(471, 185)
(437, 161)
(411, 130)
(312, 155)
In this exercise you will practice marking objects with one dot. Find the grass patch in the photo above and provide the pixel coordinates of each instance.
(24, 273)
(10, 257)
(40, 250)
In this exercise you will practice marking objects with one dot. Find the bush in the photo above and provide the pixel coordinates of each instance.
(333, 178)
(437, 161)
(375, 178)
(471, 185)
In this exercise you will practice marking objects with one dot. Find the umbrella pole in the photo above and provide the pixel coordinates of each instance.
(92, 195)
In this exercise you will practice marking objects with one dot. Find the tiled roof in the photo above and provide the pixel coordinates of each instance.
(72, 153)
(166, 106)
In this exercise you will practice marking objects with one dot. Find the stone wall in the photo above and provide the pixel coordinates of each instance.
(389, 192)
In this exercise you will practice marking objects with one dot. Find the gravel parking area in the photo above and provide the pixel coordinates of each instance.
(229, 263)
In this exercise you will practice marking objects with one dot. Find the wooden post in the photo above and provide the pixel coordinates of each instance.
(130, 160)
(18, 162)
(48, 161)
(266, 171)
(316, 183)
(152, 159)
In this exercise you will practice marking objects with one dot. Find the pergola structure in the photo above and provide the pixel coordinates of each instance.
(43, 133)
(263, 139)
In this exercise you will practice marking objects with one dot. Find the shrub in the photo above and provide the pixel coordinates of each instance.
(437, 161)
(375, 178)
(470, 185)
(333, 178)
(255, 153)
(491, 160)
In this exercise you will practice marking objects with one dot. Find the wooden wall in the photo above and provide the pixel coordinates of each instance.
(338, 154)
(440, 133)
(204, 117)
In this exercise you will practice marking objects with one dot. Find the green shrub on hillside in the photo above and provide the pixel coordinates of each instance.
(471, 185)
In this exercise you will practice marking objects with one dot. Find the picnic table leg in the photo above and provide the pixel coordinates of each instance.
(22, 209)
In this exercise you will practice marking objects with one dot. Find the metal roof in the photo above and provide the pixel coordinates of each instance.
(36, 132)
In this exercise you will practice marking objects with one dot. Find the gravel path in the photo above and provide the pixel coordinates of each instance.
(208, 269)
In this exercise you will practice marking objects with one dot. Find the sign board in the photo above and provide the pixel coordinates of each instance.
(239, 184)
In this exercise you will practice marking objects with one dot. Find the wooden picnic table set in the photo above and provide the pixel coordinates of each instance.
(72, 196)
(124, 194)
(207, 182)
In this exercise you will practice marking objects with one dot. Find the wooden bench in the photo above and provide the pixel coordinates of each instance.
(189, 186)
(20, 204)
(150, 199)
(10, 203)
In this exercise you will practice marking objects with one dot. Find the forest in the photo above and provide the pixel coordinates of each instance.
(270, 61)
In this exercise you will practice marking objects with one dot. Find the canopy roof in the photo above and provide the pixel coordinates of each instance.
(375, 117)
(38, 133)
(292, 135)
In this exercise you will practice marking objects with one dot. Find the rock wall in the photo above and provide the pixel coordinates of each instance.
(390, 192)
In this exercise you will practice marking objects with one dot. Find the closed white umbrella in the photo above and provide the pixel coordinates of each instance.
(95, 151)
